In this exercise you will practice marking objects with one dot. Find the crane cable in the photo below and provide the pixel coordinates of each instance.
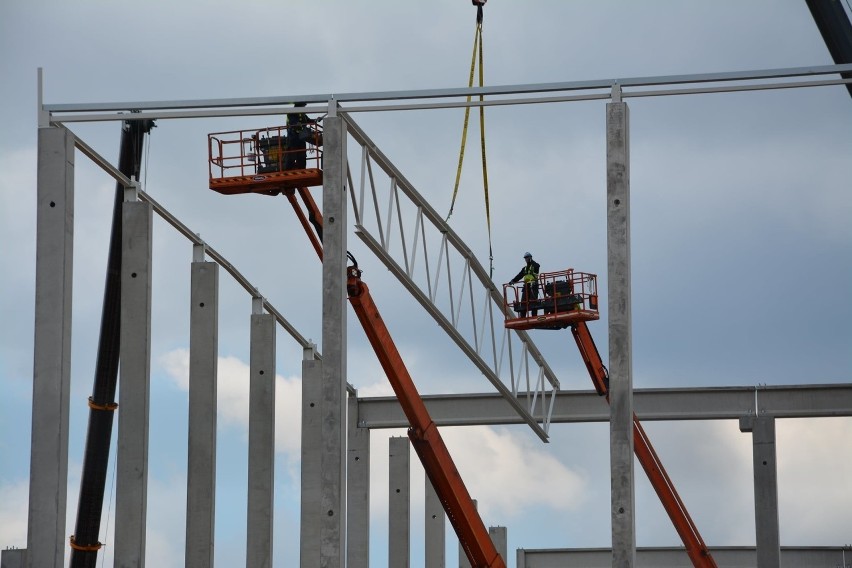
(477, 49)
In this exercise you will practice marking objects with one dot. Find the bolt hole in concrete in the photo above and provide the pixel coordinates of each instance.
(617, 202)
(53, 204)
(133, 275)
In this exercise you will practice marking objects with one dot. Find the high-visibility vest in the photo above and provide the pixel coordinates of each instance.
(529, 274)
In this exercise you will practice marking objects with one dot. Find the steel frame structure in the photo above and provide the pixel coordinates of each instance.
(467, 312)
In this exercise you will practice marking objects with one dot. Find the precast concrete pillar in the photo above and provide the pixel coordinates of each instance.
(399, 502)
(131, 486)
(765, 465)
(52, 348)
(333, 423)
(358, 491)
(620, 332)
(435, 528)
(261, 451)
(201, 453)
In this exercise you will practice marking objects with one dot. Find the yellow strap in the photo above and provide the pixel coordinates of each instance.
(482, 145)
(466, 119)
(477, 47)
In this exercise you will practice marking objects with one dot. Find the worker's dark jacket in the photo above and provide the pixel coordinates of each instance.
(531, 268)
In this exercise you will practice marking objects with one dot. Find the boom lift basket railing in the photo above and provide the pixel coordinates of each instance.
(262, 160)
(555, 300)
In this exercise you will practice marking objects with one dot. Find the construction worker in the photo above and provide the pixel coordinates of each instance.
(298, 134)
(529, 275)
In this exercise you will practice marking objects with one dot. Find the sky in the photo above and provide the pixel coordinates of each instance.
(741, 244)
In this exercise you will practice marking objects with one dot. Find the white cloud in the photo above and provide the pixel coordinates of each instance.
(233, 399)
(14, 495)
(815, 480)
(502, 470)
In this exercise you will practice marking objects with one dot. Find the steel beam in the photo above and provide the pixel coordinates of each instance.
(661, 557)
(718, 403)
(459, 92)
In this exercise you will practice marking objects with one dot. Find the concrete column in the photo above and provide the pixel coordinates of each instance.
(201, 459)
(762, 430)
(261, 452)
(309, 541)
(620, 332)
(436, 528)
(333, 464)
(500, 538)
(52, 349)
(358, 492)
(463, 561)
(131, 494)
(399, 502)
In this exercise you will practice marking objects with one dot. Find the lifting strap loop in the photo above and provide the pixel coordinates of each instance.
(477, 47)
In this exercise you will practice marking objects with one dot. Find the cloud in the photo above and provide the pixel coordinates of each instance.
(504, 471)
(13, 514)
(815, 480)
(233, 397)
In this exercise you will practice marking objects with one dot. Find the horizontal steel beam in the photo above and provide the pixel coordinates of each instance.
(457, 92)
(720, 403)
(662, 557)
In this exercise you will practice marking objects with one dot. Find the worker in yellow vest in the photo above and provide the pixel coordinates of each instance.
(529, 276)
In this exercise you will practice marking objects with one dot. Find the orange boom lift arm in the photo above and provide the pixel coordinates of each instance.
(423, 433)
(648, 458)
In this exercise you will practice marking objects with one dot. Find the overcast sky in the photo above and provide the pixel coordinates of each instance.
(741, 242)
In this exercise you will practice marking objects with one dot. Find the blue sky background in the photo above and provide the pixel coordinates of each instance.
(742, 244)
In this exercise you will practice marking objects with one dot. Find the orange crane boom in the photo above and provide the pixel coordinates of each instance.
(423, 433)
(648, 458)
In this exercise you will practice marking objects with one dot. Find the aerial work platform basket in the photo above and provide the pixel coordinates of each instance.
(267, 161)
(556, 300)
